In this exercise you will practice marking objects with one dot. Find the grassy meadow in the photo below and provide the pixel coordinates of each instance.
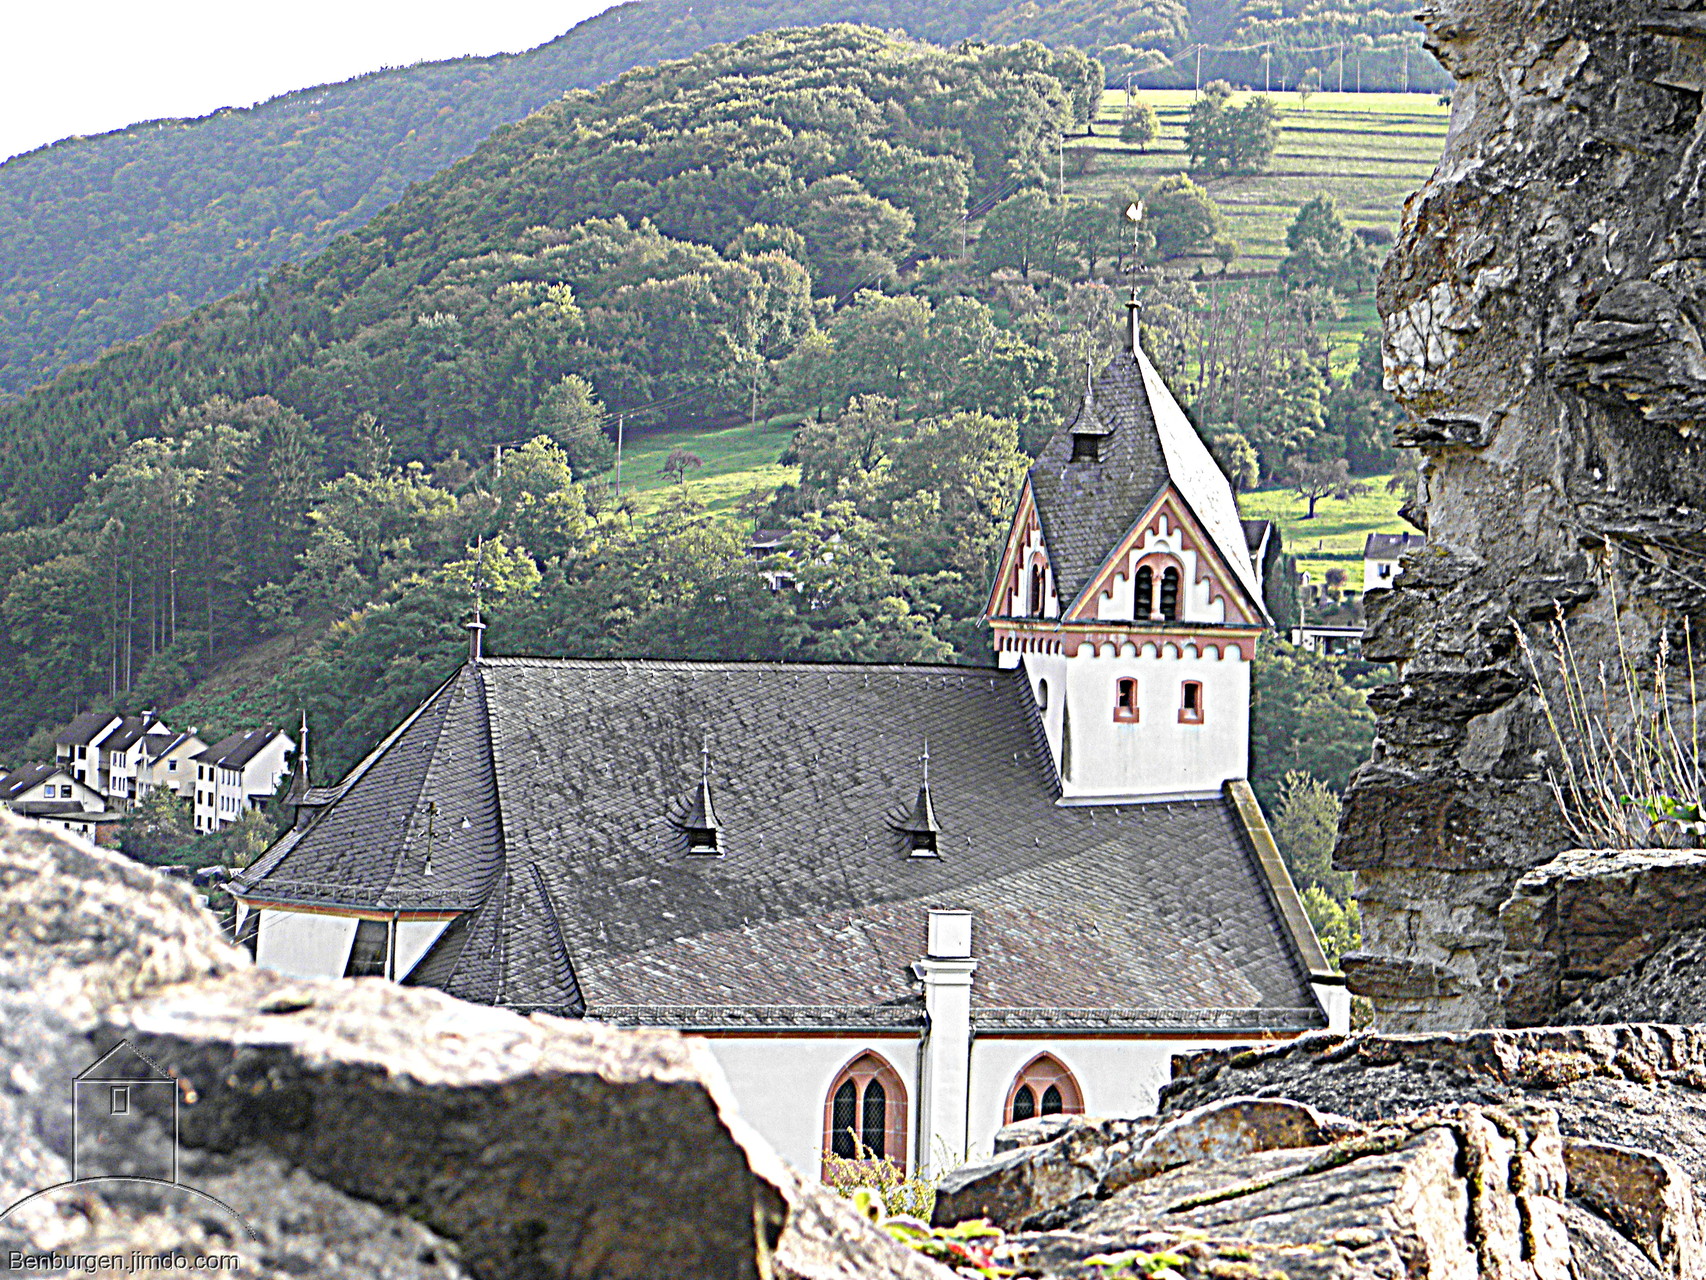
(1334, 538)
(1367, 150)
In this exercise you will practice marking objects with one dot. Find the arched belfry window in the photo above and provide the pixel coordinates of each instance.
(1170, 594)
(1037, 584)
(865, 1113)
(1143, 594)
(1043, 1088)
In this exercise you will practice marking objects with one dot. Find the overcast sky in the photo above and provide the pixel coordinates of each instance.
(88, 66)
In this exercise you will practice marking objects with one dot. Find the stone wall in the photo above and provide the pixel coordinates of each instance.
(1541, 315)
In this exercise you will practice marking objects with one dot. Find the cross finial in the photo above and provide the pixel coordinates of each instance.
(705, 757)
(924, 761)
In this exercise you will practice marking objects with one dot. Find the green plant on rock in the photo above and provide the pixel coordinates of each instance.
(1135, 1262)
(971, 1248)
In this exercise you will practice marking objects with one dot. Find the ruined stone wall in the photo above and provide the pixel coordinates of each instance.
(1542, 325)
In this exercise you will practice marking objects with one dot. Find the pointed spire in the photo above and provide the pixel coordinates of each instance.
(477, 628)
(700, 821)
(920, 826)
(299, 783)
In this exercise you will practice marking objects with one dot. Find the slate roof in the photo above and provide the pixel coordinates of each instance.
(240, 748)
(1086, 508)
(83, 728)
(28, 776)
(1389, 546)
(561, 788)
(130, 731)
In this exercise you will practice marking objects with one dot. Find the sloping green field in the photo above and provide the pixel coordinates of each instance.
(1367, 150)
(1335, 537)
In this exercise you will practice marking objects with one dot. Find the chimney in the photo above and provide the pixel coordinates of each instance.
(945, 1075)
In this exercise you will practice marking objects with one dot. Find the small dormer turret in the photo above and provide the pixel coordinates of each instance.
(700, 821)
(919, 828)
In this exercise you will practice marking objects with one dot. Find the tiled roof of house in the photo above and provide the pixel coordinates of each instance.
(1086, 508)
(25, 778)
(83, 728)
(1256, 534)
(130, 731)
(237, 750)
(557, 795)
(1389, 546)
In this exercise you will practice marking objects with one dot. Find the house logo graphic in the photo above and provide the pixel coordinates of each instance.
(114, 1133)
(124, 1128)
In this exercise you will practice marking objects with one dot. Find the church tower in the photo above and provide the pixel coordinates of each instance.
(1127, 594)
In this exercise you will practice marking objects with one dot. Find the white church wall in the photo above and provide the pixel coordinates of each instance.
(304, 945)
(781, 1085)
(1158, 755)
(414, 939)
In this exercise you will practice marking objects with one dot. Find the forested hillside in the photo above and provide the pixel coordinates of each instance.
(305, 448)
(102, 239)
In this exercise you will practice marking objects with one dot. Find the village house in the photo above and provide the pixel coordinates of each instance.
(905, 904)
(51, 795)
(237, 775)
(1380, 555)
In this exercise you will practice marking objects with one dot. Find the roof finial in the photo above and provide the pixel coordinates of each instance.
(705, 756)
(477, 628)
(924, 760)
(920, 827)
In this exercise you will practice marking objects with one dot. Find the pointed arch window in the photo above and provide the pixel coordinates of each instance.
(865, 1113)
(1044, 1087)
(1170, 594)
(1143, 594)
(1038, 583)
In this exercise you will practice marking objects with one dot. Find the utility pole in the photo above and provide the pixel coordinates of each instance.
(1268, 69)
(1406, 81)
(1199, 71)
(1062, 169)
(1341, 66)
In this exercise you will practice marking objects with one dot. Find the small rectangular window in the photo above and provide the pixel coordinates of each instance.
(1190, 703)
(368, 953)
(120, 1104)
(1125, 702)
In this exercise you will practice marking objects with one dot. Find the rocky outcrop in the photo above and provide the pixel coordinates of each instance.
(1542, 315)
(1588, 917)
(1563, 1154)
(358, 1127)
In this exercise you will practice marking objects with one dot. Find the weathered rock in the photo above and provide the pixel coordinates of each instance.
(1648, 1198)
(1668, 986)
(1038, 1165)
(1628, 1101)
(1541, 316)
(1590, 915)
(358, 1127)
(1224, 1130)
(1471, 1191)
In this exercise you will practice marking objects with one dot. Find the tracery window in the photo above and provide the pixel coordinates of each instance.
(1045, 1087)
(865, 1115)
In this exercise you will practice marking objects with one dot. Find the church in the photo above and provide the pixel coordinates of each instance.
(905, 904)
